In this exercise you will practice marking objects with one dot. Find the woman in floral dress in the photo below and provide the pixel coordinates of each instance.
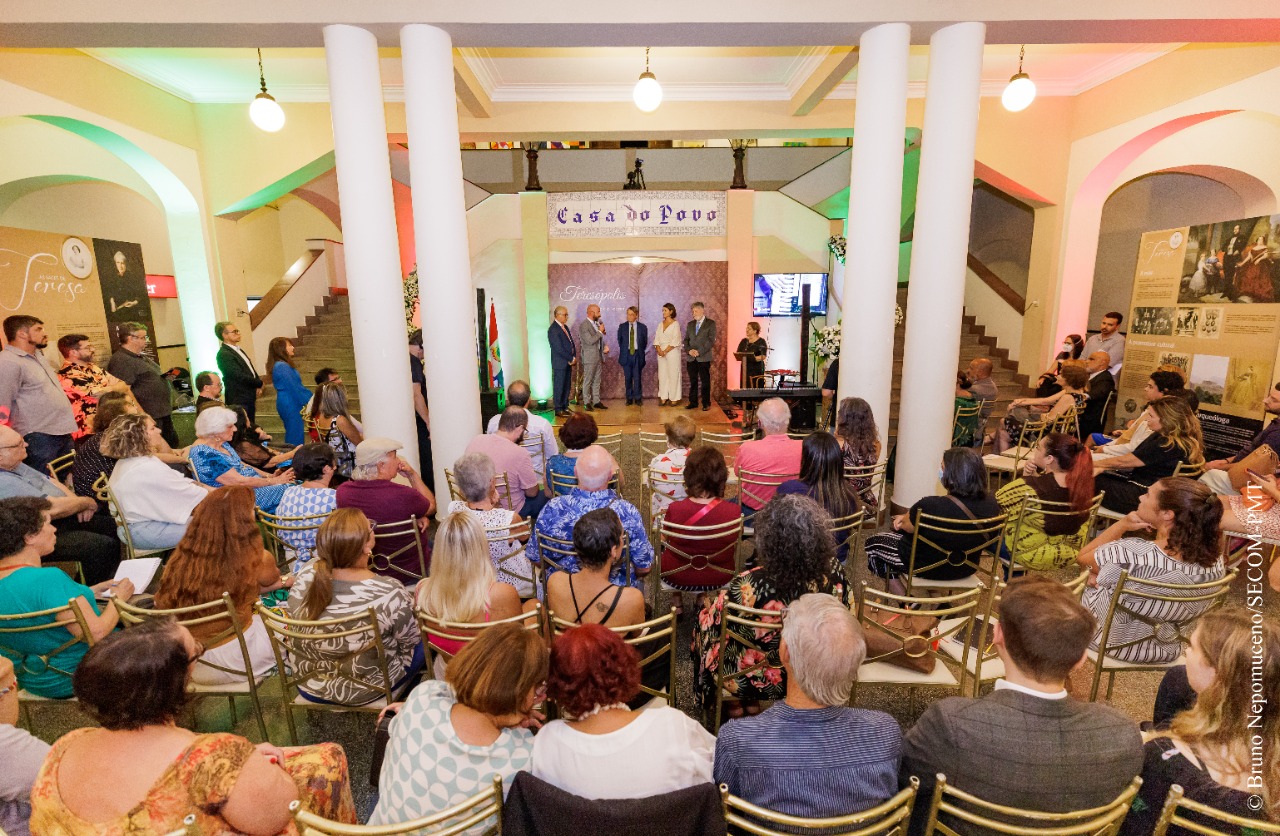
(795, 553)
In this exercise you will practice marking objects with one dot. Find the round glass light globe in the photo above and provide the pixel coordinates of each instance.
(647, 93)
(1019, 93)
(266, 113)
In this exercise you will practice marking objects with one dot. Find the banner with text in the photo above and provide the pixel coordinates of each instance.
(634, 213)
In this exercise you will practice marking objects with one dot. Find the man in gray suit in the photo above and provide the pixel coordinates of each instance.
(592, 346)
(699, 342)
(1028, 743)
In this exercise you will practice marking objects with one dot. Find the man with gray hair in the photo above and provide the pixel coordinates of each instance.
(503, 448)
(564, 356)
(594, 469)
(777, 456)
(809, 755)
(591, 338)
(538, 428)
(385, 501)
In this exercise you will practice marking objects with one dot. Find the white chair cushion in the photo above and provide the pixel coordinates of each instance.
(377, 705)
(883, 672)
(995, 461)
(1112, 664)
(1016, 452)
(992, 668)
(971, 582)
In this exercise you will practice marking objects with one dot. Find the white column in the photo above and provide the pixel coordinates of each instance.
(371, 251)
(875, 206)
(935, 300)
(440, 231)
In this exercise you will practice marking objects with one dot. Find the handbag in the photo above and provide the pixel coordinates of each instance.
(1262, 460)
(381, 736)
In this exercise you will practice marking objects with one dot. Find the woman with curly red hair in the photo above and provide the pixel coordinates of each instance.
(602, 749)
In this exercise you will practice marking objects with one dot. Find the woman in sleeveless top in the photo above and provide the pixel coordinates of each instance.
(587, 596)
(337, 428)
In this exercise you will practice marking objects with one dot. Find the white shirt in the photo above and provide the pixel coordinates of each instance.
(1006, 685)
(1115, 448)
(150, 490)
(660, 751)
(538, 427)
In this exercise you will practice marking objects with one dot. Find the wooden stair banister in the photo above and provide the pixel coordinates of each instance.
(991, 280)
(280, 288)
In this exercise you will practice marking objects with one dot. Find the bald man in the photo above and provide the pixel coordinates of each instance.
(984, 388)
(1101, 385)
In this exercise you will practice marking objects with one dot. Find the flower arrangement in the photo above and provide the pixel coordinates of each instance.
(825, 345)
(836, 244)
(410, 298)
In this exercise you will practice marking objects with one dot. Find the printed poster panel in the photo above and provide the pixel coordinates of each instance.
(124, 288)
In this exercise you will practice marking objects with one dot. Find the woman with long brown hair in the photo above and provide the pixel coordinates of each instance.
(859, 445)
(291, 395)
(1175, 438)
(339, 583)
(1059, 470)
(221, 552)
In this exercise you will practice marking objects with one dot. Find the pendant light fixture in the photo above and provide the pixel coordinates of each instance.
(265, 111)
(1020, 92)
(648, 92)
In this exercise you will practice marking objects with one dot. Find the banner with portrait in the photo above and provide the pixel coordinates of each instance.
(124, 287)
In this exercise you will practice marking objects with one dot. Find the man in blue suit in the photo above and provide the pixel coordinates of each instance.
(564, 355)
(633, 341)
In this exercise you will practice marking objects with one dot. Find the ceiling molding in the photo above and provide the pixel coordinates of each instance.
(744, 92)
(1122, 63)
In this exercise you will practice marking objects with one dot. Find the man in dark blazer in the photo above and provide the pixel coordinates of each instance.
(633, 341)
(564, 355)
(1028, 743)
(699, 342)
(1101, 385)
(240, 381)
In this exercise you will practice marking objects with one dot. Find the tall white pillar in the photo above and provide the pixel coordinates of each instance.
(371, 250)
(440, 231)
(875, 207)
(935, 300)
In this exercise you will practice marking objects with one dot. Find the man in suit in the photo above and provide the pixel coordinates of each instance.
(564, 356)
(633, 340)
(1028, 743)
(1101, 385)
(239, 378)
(591, 338)
(699, 340)
(1231, 252)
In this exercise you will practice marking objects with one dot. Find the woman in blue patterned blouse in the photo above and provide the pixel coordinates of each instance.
(216, 464)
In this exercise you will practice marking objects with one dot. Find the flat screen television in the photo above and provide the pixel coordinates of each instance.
(778, 294)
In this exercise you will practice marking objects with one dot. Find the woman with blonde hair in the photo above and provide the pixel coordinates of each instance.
(1073, 381)
(1175, 439)
(1224, 751)
(336, 426)
(156, 500)
(337, 584)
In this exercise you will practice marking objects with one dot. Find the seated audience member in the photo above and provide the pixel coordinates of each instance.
(1158, 386)
(795, 555)
(217, 464)
(777, 454)
(336, 427)
(134, 684)
(965, 428)
(1175, 438)
(89, 463)
(155, 499)
(594, 468)
(538, 428)
(23, 755)
(222, 552)
(26, 536)
(577, 433)
(463, 587)
(860, 444)
(338, 584)
(313, 464)
(1183, 516)
(1211, 749)
(602, 749)
(705, 477)
(1100, 387)
(1256, 511)
(250, 448)
(1028, 744)
(384, 501)
(810, 755)
(208, 391)
(664, 468)
(1058, 470)
(822, 480)
(1216, 471)
(964, 477)
(1073, 379)
(86, 535)
(587, 596)
(503, 448)
(325, 375)
(451, 736)
(1072, 347)
(982, 386)
(479, 487)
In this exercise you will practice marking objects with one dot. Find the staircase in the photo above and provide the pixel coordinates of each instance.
(325, 340)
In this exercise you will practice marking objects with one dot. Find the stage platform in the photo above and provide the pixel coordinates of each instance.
(648, 416)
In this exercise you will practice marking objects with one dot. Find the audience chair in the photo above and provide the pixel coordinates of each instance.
(552, 551)
(887, 819)
(754, 482)
(1194, 817)
(309, 425)
(504, 489)
(652, 444)
(1009, 463)
(847, 532)
(654, 482)
(1189, 470)
(984, 534)
(102, 490)
(562, 483)
(877, 477)
(1128, 599)
(503, 536)
(965, 423)
(328, 649)
(760, 624)
(727, 443)
(276, 531)
(613, 443)
(801, 435)
(475, 812)
(954, 811)
(1033, 506)
(383, 560)
(60, 468)
(682, 542)
(1067, 423)
(958, 621)
(15, 624)
(218, 610)
(532, 444)
(654, 640)
(433, 627)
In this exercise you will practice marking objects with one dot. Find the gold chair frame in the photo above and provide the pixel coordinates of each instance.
(959, 415)
(59, 467)
(503, 485)
(728, 443)
(551, 550)
(517, 533)
(889, 818)
(638, 635)
(847, 532)
(652, 444)
(984, 816)
(1212, 592)
(989, 529)
(464, 632)
(1067, 423)
(759, 479)
(755, 622)
(692, 534)
(476, 809)
(562, 483)
(1028, 437)
(613, 443)
(877, 475)
(1191, 470)
(102, 491)
(219, 609)
(530, 444)
(1175, 806)
(383, 562)
(1047, 509)
(26, 698)
(273, 524)
(651, 480)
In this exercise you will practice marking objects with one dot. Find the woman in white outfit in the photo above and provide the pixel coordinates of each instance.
(157, 501)
(668, 344)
